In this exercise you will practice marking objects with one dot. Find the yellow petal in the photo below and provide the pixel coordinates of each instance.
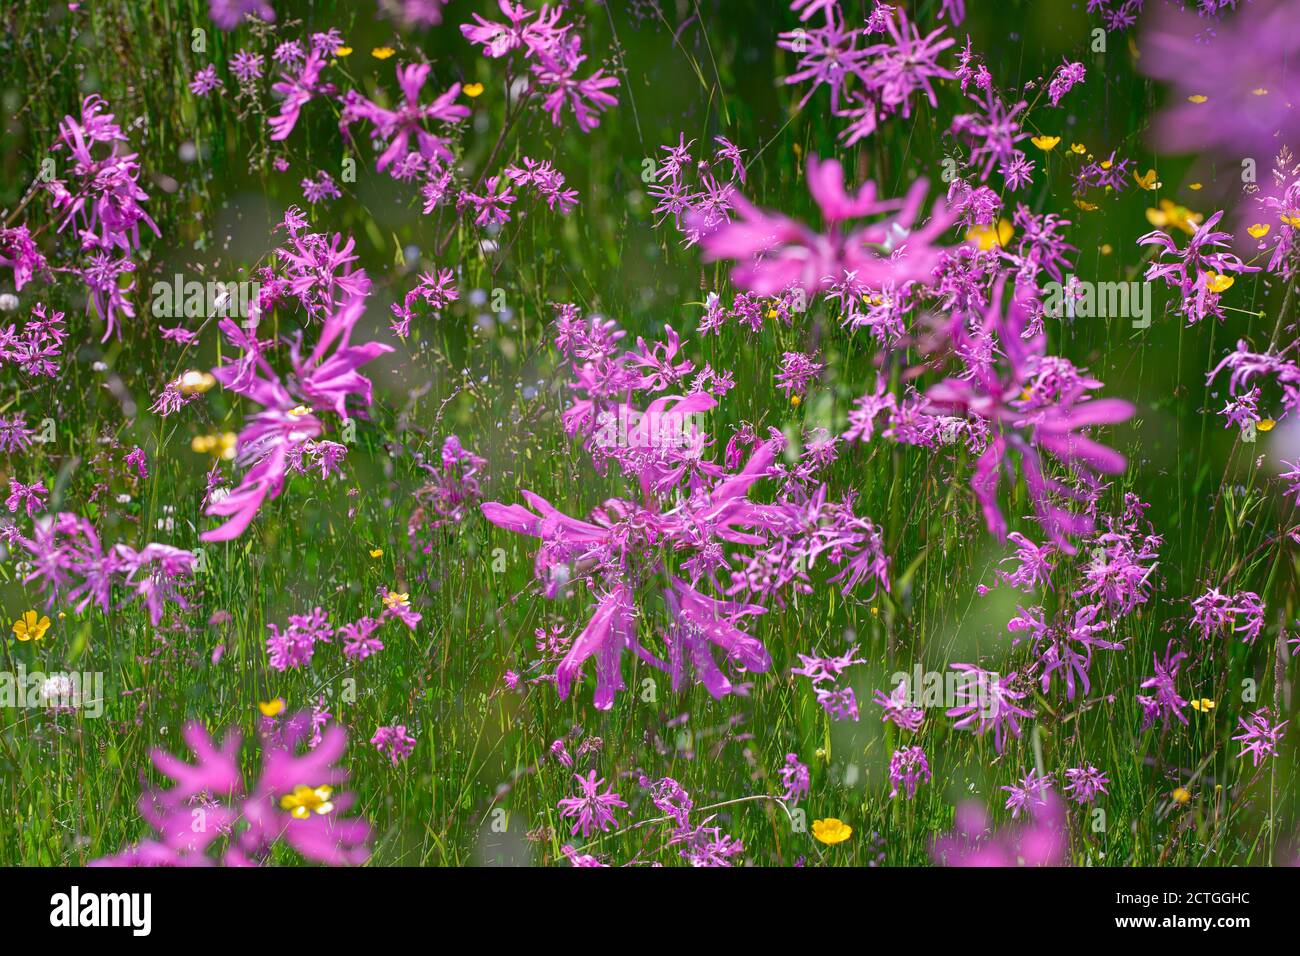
(382, 52)
(1197, 98)
(343, 51)
(195, 382)
(831, 830)
(1265, 425)
(1259, 230)
(1045, 143)
(986, 237)
(1218, 283)
(272, 707)
(1078, 148)
(472, 90)
(1147, 181)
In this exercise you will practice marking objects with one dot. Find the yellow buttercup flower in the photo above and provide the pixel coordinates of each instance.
(1197, 98)
(1045, 143)
(393, 599)
(1172, 214)
(271, 708)
(986, 237)
(1265, 425)
(1218, 283)
(472, 90)
(1203, 706)
(30, 627)
(1085, 205)
(343, 51)
(376, 552)
(222, 445)
(1147, 181)
(1259, 230)
(1078, 148)
(1259, 91)
(1181, 795)
(195, 382)
(382, 52)
(831, 831)
(1292, 221)
(304, 801)
(795, 400)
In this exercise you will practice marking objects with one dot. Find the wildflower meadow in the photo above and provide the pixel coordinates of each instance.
(683, 433)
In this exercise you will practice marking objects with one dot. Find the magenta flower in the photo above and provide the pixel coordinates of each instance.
(1189, 273)
(906, 65)
(297, 91)
(1085, 783)
(908, 768)
(228, 14)
(325, 380)
(898, 708)
(1214, 610)
(1165, 701)
(1065, 78)
(987, 702)
(18, 251)
(1032, 790)
(70, 564)
(594, 810)
(294, 646)
(775, 252)
(1041, 841)
(795, 779)
(555, 72)
(617, 541)
(1029, 420)
(1254, 49)
(394, 742)
(292, 801)
(1259, 736)
(397, 127)
(205, 81)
